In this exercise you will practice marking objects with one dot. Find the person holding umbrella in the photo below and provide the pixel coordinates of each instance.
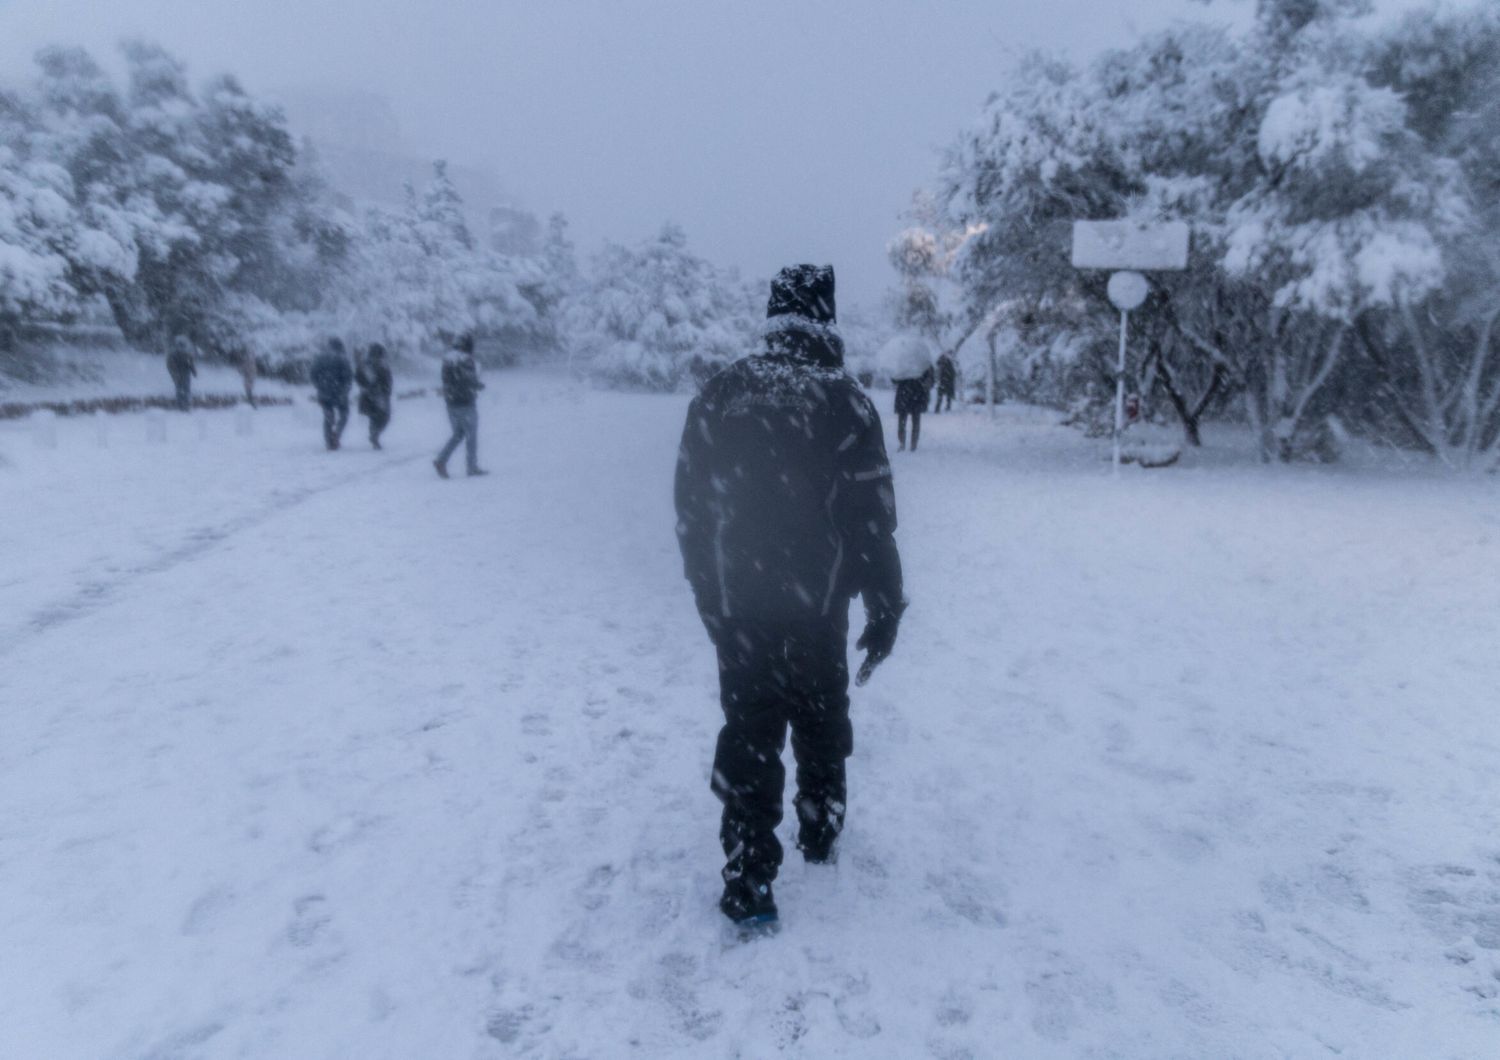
(907, 359)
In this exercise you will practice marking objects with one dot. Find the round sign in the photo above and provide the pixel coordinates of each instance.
(1127, 290)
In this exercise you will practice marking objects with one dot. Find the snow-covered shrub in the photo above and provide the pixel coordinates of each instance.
(656, 317)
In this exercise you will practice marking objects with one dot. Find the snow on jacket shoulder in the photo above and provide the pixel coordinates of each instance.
(785, 502)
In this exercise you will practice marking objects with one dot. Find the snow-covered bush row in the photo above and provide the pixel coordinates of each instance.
(192, 212)
(1339, 176)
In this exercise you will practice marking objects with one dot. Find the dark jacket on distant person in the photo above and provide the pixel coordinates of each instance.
(180, 363)
(785, 505)
(375, 385)
(947, 374)
(333, 377)
(461, 384)
(911, 394)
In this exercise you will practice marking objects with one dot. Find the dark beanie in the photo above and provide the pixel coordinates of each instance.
(803, 290)
(464, 343)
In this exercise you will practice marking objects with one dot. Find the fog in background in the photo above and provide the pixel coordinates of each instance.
(773, 131)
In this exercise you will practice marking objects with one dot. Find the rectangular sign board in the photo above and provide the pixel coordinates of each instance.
(1130, 245)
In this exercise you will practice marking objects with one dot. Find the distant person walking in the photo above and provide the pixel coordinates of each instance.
(947, 382)
(182, 366)
(245, 361)
(333, 377)
(461, 387)
(911, 402)
(374, 378)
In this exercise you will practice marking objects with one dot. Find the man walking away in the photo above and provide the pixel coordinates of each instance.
(461, 387)
(374, 378)
(785, 512)
(947, 374)
(182, 366)
(333, 377)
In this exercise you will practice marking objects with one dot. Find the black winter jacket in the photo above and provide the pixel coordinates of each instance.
(911, 394)
(332, 376)
(947, 374)
(785, 504)
(461, 385)
(375, 385)
(181, 364)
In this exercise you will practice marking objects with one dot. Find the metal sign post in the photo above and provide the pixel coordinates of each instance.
(1125, 246)
(1127, 290)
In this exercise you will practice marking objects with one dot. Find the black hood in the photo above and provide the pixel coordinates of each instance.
(804, 291)
(801, 316)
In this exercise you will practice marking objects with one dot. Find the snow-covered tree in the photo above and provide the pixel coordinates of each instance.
(1319, 204)
(415, 277)
(657, 317)
(1437, 358)
(547, 278)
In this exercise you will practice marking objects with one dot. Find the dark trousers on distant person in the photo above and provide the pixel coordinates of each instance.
(465, 422)
(184, 393)
(916, 428)
(335, 419)
(941, 394)
(772, 676)
(379, 419)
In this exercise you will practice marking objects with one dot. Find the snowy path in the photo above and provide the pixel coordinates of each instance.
(314, 755)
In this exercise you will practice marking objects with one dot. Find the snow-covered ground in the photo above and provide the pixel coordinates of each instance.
(311, 754)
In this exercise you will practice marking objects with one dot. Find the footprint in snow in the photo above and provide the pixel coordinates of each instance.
(968, 897)
(349, 829)
(1061, 996)
(309, 921)
(1460, 905)
(594, 894)
(207, 910)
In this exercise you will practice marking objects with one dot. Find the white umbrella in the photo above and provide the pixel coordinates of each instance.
(906, 356)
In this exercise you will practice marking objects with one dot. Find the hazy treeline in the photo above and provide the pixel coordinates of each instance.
(174, 209)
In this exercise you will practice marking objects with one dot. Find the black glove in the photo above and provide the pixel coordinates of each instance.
(877, 640)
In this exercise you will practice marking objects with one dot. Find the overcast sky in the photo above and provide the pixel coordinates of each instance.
(773, 130)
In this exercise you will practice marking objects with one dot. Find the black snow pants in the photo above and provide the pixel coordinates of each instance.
(772, 676)
(379, 419)
(335, 419)
(916, 428)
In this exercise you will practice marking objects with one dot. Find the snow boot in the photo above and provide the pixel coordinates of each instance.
(818, 845)
(748, 903)
(440, 468)
(477, 472)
